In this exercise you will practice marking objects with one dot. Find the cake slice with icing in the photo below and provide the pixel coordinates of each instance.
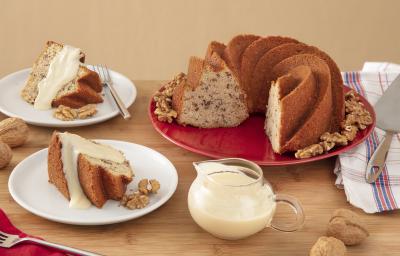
(58, 77)
(87, 172)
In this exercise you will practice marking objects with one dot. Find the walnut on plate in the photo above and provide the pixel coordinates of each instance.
(135, 200)
(140, 198)
(87, 111)
(347, 226)
(328, 246)
(65, 113)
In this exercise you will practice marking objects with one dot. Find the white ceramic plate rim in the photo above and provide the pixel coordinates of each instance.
(135, 213)
(75, 123)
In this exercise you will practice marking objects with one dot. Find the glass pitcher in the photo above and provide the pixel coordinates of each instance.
(231, 200)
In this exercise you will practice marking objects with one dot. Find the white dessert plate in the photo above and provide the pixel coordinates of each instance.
(28, 185)
(11, 103)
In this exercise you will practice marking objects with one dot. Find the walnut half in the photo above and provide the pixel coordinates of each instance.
(347, 226)
(65, 113)
(163, 100)
(140, 198)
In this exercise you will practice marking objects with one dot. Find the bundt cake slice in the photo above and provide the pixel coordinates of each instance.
(86, 172)
(59, 78)
(211, 96)
(250, 58)
(300, 103)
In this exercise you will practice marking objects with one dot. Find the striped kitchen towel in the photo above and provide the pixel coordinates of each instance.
(384, 194)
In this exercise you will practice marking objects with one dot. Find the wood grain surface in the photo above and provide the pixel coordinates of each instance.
(170, 230)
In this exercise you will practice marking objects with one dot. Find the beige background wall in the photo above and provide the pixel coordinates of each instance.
(153, 39)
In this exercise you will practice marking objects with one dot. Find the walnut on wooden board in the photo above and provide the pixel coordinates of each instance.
(163, 100)
(328, 246)
(5, 154)
(14, 131)
(347, 226)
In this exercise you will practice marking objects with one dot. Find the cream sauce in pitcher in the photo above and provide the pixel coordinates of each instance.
(231, 200)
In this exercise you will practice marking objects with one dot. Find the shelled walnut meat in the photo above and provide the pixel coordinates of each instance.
(163, 100)
(347, 226)
(65, 113)
(140, 198)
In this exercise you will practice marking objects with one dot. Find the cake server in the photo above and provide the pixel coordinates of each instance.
(387, 111)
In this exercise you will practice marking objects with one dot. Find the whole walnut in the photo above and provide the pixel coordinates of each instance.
(328, 246)
(347, 226)
(5, 154)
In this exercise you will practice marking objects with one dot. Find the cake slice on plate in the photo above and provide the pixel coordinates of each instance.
(87, 172)
(58, 77)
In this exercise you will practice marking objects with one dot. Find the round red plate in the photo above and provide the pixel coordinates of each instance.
(248, 140)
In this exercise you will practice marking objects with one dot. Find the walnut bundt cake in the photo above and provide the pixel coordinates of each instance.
(234, 81)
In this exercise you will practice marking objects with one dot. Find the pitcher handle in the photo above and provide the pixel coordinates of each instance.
(297, 208)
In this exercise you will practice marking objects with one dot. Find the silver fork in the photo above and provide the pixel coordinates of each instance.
(8, 240)
(107, 81)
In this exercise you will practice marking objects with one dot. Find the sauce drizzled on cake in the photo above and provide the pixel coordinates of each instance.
(63, 69)
(59, 77)
(87, 172)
